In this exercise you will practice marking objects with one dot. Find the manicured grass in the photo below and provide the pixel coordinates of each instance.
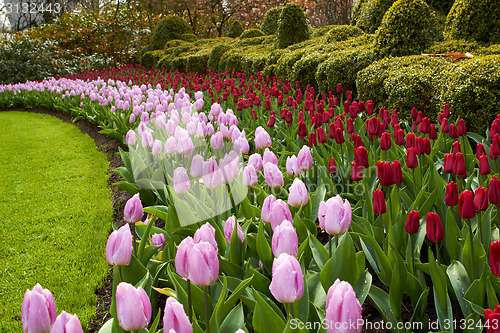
(55, 215)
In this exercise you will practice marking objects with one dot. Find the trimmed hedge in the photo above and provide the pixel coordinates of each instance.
(292, 26)
(442, 6)
(453, 45)
(188, 38)
(250, 33)
(356, 11)
(319, 32)
(370, 14)
(343, 32)
(270, 24)
(151, 58)
(235, 30)
(216, 54)
(171, 27)
(408, 27)
(474, 20)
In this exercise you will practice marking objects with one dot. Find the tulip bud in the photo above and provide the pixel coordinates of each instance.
(130, 138)
(119, 247)
(399, 137)
(312, 139)
(304, 159)
(455, 148)
(133, 307)
(291, 166)
(339, 136)
(434, 227)
(459, 166)
(262, 138)
(256, 161)
(66, 323)
(480, 151)
(206, 233)
(411, 158)
(495, 261)
(181, 257)
(451, 194)
(301, 129)
(484, 165)
(335, 215)
(385, 174)
(432, 132)
(446, 110)
(267, 207)
(250, 178)
(287, 284)
(343, 309)
(217, 141)
(397, 173)
(445, 125)
(175, 318)
(285, 240)
(448, 163)
(321, 135)
(466, 205)
(133, 211)
(279, 212)
(196, 169)
(412, 222)
(273, 176)
(410, 140)
(229, 227)
(212, 174)
(349, 126)
(361, 157)
(158, 240)
(298, 194)
(462, 130)
(38, 312)
(182, 184)
(270, 157)
(420, 145)
(481, 199)
(202, 264)
(494, 191)
(332, 166)
(379, 202)
(453, 131)
(356, 171)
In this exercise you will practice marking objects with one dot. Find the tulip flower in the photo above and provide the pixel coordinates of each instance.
(356, 172)
(304, 159)
(206, 233)
(292, 167)
(287, 284)
(356, 140)
(302, 129)
(196, 169)
(445, 125)
(285, 240)
(480, 151)
(420, 145)
(250, 176)
(451, 194)
(343, 309)
(175, 318)
(361, 157)
(462, 130)
(466, 205)
(432, 132)
(130, 138)
(484, 165)
(212, 174)
(455, 148)
(453, 131)
(494, 191)
(119, 247)
(202, 264)
(158, 240)
(133, 307)
(182, 184)
(312, 139)
(38, 312)
(434, 227)
(133, 210)
(66, 323)
(481, 199)
(448, 163)
(399, 137)
(267, 207)
(217, 141)
(171, 145)
(492, 320)
(427, 146)
(262, 138)
(410, 140)
(459, 166)
(270, 157)
(332, 166)
(397, 173)
(495, 258)
(335, 215)
(411, 158)
(256, 161)
(385, 141)
(271, 121)
(379, 202)
(385, 174)
(181, 257)
(412, 222)
(298, 194)
(273, 175)
(279, 212)
(339, 136)
(229, 227)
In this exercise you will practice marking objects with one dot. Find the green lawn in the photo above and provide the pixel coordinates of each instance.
(55, 215)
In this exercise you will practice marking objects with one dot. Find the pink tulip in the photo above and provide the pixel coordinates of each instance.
(291, 166)
(343, 311)
(181, 257)
(147, 139)
(66, 323)
(206, 233)
(229, 227)
(171, 145)
(250, 178)
(256, 161)
(38, 312)
(217, 141)
(267, 207)
(279, 212)
(273, 175)
(196, 169)
(157, 147)
(229, 166)
(185, 146)
(130, 138)
(212, 175)
(241, 145)
(119, 247)
(304, 159)
(287, 284)
(285, 239)
(262, 138)
(298, 194)
(175, 318)
(269, 157)
(158, 240)
(203, 264)
(133, 307)
(335, 216)
(182, 184)
(133, 209)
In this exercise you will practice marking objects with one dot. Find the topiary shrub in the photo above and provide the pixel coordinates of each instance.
(453, 45)
(474, 20)
(305, 68)
(320, 32)
(151, 58)
(216, 55)
(442, 6)
(270, 23)
(472, 89)
(356, 11)
(408, 27)
(145, 49)
(343, 32)
(250, 33)
(371, 13)
(171, 27)
(235, 30)
(188, 38)
(292, 26)
(274, 56)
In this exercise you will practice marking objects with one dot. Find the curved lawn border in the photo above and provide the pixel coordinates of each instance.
(75, 227)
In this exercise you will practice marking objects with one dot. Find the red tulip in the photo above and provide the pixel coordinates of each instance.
(451, 194)
(481, 199)
(339, 89)
(385, 175)
(370, 107)
(420, 115)
(339, 136)
(414, 113)
(484, 165)
(331, 130)
(411, 158)
(466, 205)
(321, 135)
(349, 126)
(361, 157)
(462, 130)
(494, 191)
(446, 110)
(356, 140)
(379, 202)
(459, 166)
(449, 161)
(289, 118)
(427, 146)
(332, 166)
(495, 147)
(495, 268)
(425, 125)
(271, 121)
(455, 147)
(397, 173)
(445, 125)
(410, 140)
(399, 136)
(434, 227)
(412, 222)
(312, 139)
(372, 125)
(385, 141)
(453, 131)
(432, 132)
(420, 145)
(302, 130)
(356, 172)
(480, 151)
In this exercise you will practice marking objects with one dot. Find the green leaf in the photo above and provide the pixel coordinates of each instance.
(342, 265)
(234, 321)
(265, 318)
(398, 281)
(229, 303)
(319, 252)
(460, 282)
(153, 327)
(362, 287)
(439, 283)
(316, 197)
(376, 257)
(381, 301)
(444, 312)
(263, 249)
(451, 236)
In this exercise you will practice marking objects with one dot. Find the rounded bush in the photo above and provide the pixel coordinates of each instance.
(408, 27)
(188, 38)
(292, 26)
(474, 20)
(442, 6)
(343, 32)
(171, 27)
(235, 30)
(453, 45)
(356, 11)
(216, 54)
(270, 23)
(251, 33)
(319, 32)
(151, 58)
(370, 14)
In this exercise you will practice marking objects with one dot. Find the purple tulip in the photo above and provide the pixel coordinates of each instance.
(133, 211)
(130, 137)
(335, 216)
(287, 284)
(256, 161)
(273, 175)
(304, 159)
(279, 212)
(119, 247)
(66, 323)
(212, 175)
(343, 311)
(196, 169)
(267, 207)
(262, 138)
(217, 141)
(206, 233)
(250, 178)
(229, 227)
(203, 264)
(285, 239)
(133, 307)
(158, 240)
(182, 184)
(181, 257)
(298, 194)
(38, 312)
(270, 157)
(291, 166)
(175, 318)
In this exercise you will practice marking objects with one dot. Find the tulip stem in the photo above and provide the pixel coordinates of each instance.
(414, 184)
(336, 241)
(134, 242)
(232, 200)
(190, 308)
(471, 235)
(412, 266)
(479, 227)
(292, 314)
(120, 272)
(215, 206)
(330, 245)
(207, 318)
